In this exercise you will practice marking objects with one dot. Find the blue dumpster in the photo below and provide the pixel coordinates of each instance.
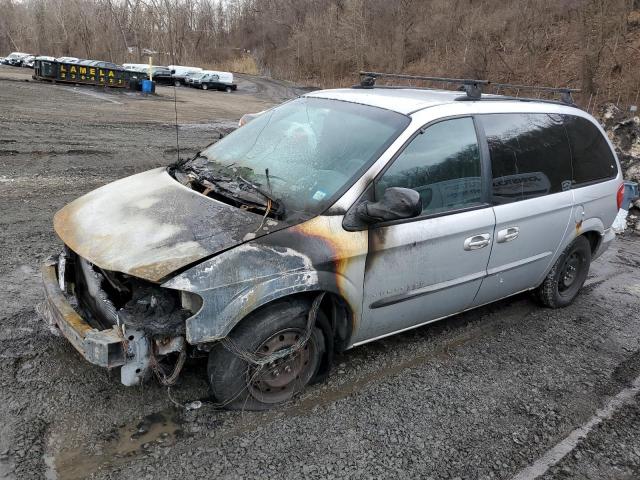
(147, 86)
(630, 193)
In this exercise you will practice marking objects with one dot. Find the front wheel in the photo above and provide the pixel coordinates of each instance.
(205, 87)
(240, 372)
(568, 274)
(228, 89)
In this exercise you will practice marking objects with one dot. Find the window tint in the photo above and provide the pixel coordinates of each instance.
(592, 157)
(530, 155)
(442, 164)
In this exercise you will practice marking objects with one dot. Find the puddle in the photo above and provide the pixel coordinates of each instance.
(160, 429)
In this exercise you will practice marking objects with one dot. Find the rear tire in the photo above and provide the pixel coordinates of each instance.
(240, 385)
(568, 274)
(228, 89)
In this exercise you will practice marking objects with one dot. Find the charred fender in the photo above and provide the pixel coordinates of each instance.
(238, 281)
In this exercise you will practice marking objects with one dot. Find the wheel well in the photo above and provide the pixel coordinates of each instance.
(335, 309)
(594, 240)
(336, 329)
(337, 312)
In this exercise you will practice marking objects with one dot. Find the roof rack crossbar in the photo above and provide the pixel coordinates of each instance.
(472, 87)
(371, 76)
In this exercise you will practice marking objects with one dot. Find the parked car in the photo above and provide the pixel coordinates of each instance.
(188, 79)
(97, 63)
(135, 67)
(222, 81)
(67, 59)
(247, 117)
(330, 221)
(27, 62)
(180, 73)
(160, 75)
(15, 59)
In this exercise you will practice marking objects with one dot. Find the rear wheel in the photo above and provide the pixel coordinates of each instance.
(275, 331)
(564, 281)
(177, 83)
(228, 89)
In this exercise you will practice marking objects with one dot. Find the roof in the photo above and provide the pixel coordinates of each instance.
(402, 100)
(406, 100)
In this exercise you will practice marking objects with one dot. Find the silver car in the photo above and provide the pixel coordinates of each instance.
(327, 222)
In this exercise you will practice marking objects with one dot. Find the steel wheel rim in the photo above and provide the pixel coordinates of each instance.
(570, 272)
(277, 381)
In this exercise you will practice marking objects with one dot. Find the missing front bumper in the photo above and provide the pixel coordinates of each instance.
(128, 347)
(104, 348)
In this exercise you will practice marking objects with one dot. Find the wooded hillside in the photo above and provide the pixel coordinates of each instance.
(589, 44)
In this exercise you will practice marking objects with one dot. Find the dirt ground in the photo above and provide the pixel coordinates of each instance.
(482, 395)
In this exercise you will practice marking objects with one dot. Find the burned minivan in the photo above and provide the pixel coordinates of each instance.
(329, 221)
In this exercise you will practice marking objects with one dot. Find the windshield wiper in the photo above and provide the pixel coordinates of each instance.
(225, 181)
(277, 205)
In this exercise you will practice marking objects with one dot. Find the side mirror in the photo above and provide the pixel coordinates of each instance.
(396, 203)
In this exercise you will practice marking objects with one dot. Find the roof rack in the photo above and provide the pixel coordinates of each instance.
(472, 87)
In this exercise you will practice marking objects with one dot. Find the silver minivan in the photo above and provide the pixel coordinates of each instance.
(327, 222)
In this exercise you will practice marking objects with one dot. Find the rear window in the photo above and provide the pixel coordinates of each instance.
(592, 157)
(530, 155)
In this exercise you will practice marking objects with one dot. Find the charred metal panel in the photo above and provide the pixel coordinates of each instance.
(149, 225)
(237, 282)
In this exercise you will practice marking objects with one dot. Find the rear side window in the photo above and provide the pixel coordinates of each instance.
(592, 156)
(530, 155)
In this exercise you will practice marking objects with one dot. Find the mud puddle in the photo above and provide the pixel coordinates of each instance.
(160, 429)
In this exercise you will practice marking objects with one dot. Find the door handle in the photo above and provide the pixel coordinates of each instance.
(508, 234)
(477, 241)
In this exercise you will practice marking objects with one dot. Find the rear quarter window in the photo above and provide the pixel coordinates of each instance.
(592, 157)
(530, 155)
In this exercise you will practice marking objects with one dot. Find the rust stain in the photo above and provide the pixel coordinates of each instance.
(578, 226)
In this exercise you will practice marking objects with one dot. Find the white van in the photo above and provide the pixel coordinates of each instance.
(179, 73)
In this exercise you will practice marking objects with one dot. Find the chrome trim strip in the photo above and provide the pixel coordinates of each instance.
(519, 263)
(436, 287)
(379, 337)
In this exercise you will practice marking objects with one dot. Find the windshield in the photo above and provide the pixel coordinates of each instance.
(304, 152)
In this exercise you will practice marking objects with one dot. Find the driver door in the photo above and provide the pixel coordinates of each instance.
(425, 268)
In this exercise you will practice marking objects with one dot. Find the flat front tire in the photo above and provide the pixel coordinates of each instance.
(563, 283)
(237, 383)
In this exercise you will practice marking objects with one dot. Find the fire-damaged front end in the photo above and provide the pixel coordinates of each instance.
(123, 242)
(117, 320)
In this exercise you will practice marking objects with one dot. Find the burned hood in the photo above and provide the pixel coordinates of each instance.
(149, 225)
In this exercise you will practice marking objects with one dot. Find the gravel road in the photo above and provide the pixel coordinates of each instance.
(482, 395)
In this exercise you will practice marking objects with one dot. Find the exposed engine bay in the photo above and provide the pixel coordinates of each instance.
(148, 319)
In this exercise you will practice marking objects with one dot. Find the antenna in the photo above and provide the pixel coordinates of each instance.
(175, 107)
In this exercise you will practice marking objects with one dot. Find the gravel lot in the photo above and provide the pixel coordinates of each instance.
(482, 395)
